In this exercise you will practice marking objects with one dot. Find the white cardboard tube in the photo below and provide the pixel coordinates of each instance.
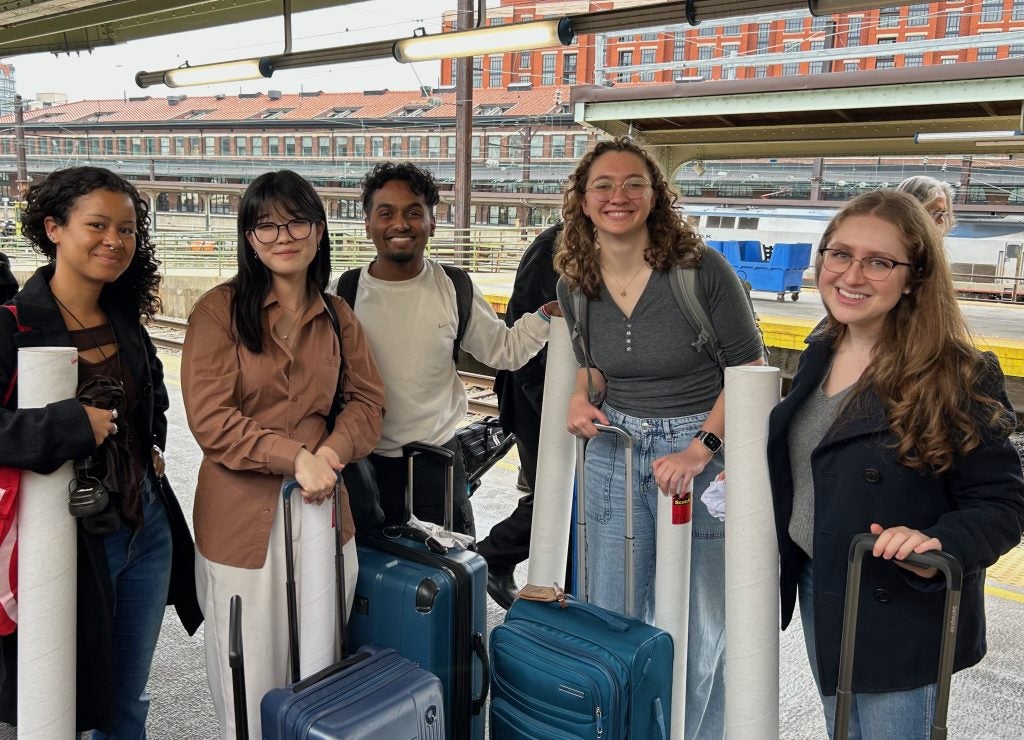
(316, 582)
(672, 587)
(751, 558)
(556, 462)
(47, 565)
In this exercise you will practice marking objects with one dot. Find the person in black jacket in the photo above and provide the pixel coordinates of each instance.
(8, 284)
(520, 394)
(135, 550)
(895, 425)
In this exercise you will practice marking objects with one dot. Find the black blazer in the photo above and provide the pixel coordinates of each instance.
(976, 509)
(42, 440)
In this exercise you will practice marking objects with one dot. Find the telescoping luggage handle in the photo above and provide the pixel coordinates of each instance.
(237, 663)
(951, 569)
(339, 562)
(410, 451)
(581, 519)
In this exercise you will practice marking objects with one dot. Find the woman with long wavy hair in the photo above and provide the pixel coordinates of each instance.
(135, 550)
(622, 238)
(895, 425)
(262, 365)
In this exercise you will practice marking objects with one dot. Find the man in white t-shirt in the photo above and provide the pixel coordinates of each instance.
(407, 306)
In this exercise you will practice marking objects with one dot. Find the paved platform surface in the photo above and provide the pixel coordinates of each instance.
(987, 701)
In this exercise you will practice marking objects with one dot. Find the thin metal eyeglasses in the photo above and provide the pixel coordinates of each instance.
(297, 228)
(633, 188)
(939, 216)
(838, 261)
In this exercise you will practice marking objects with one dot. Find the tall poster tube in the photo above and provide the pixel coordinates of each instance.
(672, 587)
(47, 565)
(317, 584)
(751, 558)
(556, 461)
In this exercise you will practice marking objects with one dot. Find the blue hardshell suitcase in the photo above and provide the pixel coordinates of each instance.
(569, 669)
(375, 693)
(430, 605)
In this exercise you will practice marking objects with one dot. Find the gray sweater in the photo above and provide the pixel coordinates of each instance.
(651, 369)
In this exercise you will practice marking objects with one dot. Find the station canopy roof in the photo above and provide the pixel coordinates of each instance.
(853, 114)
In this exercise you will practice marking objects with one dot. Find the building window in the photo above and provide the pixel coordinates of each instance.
(433, 146)
(733, 29)
(324, 146)
(289, 146)
(1016, 51)
(359, 147)
(395, 146)
(165, 146)
(455, 69)
(494, 70)
(625, 60)
(763, 34)
(524, 59)
(558, 146)
(537, 146)
(569, 69)
(913, 60)
(414, 146)
(494, 147)
(991, 11)
(794, 25)
(820, 23)
(888, 17)
(376, 147)
(240, 146)
(649, 37)
(851, 66)
(209, 146)
(341, 146)
(885, 62)
(788, 70)
(307, 146)
(952, 25)
(547, 69)
(647, 57)
(179, 145)
(1017, 12)
(917, 14)
(819, 67)
(627, 38)
(474, 148)
(679, 47)
(705, 31)
(987, 54)
(579, 146)
(760, 72)
(478, 72)
(853, 31)
(451, 146)
(273, 146)
(705, 52)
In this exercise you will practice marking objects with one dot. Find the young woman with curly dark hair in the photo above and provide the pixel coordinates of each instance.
(135, 552)
(895, 425)
(622, 238)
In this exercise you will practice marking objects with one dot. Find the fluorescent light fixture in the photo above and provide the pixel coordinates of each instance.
(208, 74)
(964, 136)
(486, 40)
(832, 7)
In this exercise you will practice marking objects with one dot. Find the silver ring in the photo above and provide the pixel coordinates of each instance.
(113, 415)
(115, 429)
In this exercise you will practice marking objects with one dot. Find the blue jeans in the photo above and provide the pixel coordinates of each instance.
(903, 714)
(140, 571)
(605, 507)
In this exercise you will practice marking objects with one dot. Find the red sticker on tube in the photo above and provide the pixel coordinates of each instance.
(682, 508)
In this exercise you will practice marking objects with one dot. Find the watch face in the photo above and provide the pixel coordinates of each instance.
(710, 441)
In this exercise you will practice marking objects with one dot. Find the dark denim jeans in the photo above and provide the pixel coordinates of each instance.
(140, 570)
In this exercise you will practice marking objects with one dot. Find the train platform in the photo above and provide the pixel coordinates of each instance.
(987, 701)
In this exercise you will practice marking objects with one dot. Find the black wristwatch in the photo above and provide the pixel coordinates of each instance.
(711, 441)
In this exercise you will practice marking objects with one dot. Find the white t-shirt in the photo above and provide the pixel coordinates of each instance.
(411, 325)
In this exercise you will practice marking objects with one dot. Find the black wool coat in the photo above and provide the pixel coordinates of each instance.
(44, 439)
(976, 510)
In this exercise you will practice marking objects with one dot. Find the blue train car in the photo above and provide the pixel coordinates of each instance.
(778, 268)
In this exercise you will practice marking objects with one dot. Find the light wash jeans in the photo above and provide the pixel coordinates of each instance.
(605, 508)
(906, 715)
(140, 570)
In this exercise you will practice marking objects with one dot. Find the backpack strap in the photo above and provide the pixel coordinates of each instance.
(339, 397)
(348, 285)
(463, 303)
(684, 288)
(14, 377)
(581, 337)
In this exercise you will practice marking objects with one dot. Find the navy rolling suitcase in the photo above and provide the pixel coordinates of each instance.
(375, 693)
(563, 668)
(428, 603)
(951, 569)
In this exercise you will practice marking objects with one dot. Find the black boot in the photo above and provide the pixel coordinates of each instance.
(502, 588)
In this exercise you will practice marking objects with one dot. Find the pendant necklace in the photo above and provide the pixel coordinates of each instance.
(624, 287)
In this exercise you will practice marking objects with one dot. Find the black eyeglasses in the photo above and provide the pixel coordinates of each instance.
(838, 261)
(267, 233)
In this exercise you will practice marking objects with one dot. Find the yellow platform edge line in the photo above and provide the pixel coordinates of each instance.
(1003, 593)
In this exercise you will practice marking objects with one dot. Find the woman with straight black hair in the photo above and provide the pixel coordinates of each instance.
(135, 552)
(261, 367)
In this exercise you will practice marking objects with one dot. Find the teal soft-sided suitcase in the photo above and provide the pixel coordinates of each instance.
(568, 669)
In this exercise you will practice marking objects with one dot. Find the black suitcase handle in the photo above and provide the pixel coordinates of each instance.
(581, 518)
(950, 567)
(236, 660)
(447, 456)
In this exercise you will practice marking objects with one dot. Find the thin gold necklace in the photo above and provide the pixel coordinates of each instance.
(624, 287)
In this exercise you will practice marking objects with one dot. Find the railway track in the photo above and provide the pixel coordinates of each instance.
(168, 334)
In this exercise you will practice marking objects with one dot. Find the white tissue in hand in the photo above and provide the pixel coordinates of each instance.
(714, 498)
